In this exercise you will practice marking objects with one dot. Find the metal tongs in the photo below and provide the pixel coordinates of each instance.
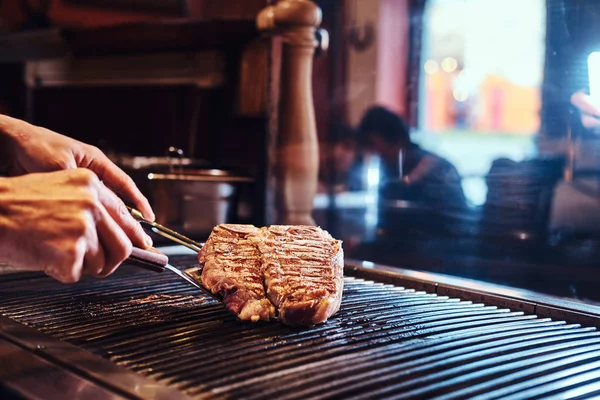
(166, 232)
(156, 261)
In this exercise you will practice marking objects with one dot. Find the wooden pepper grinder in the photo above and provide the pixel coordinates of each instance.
(297, 158)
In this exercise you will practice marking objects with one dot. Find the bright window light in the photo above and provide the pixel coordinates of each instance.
(594, 75)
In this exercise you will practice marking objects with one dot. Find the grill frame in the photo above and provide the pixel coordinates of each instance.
(568, 310)
(82, 368)
(120, 381)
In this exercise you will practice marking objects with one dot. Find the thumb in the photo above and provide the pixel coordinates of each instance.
(118, 181)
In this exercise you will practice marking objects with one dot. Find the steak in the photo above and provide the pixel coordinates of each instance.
(231, 265)
(295, 270)
(303, 273)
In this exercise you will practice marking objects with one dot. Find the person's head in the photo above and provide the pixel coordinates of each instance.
(341, 151)
(383, 132)
(344, 148)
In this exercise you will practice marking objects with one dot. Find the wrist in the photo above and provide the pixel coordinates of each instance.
(5, 256)
(4, 148)
(5, 196)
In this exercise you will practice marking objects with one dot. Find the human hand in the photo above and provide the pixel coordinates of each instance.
(65, 223)
(588, 109)
(34, 149)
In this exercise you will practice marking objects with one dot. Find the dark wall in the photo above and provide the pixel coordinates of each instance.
(12, 90)
(134, 120)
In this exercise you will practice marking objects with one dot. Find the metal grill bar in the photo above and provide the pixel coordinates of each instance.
(386, 341)
(521, 357)
(375, 365)
(536, 374)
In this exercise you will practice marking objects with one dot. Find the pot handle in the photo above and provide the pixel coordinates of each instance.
(177, 153)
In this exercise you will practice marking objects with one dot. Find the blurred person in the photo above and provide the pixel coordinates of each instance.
(424, 176)
(588, 110)
(574, 36)
(339, 162)
(59, 209)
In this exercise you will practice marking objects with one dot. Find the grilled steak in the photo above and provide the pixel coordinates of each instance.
(303, 268)
(232, 268)
(296, 269)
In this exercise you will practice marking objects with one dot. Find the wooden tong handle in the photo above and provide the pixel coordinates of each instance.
(150, 259)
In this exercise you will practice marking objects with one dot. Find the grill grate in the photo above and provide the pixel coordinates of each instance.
(386, 341)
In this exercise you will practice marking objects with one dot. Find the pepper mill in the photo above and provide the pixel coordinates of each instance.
(297, 156)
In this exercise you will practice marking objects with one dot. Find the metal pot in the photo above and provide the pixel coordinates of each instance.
(138, 167)
(194, 201)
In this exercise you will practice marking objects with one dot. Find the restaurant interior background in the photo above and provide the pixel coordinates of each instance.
(477, 83)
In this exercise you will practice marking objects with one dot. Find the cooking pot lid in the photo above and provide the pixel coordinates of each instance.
(141, 162)
(202, 175)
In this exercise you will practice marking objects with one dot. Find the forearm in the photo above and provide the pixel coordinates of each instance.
(4, 148)
(422, 169)
(7, 246)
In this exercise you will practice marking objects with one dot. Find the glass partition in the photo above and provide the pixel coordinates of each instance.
(466, 139)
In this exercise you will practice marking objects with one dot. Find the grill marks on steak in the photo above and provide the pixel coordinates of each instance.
(232, 269)
(299, 268)
(303, 270)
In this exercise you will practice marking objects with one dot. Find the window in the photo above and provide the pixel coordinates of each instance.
(480, 86)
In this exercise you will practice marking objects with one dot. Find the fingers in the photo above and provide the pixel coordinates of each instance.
(71, 267)
(588, 109)
(109, 230)
(589, 121)
(95, 259)
(67, 223)
(119, 181)
(119, 213)
(585, 104)
(115, 243)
